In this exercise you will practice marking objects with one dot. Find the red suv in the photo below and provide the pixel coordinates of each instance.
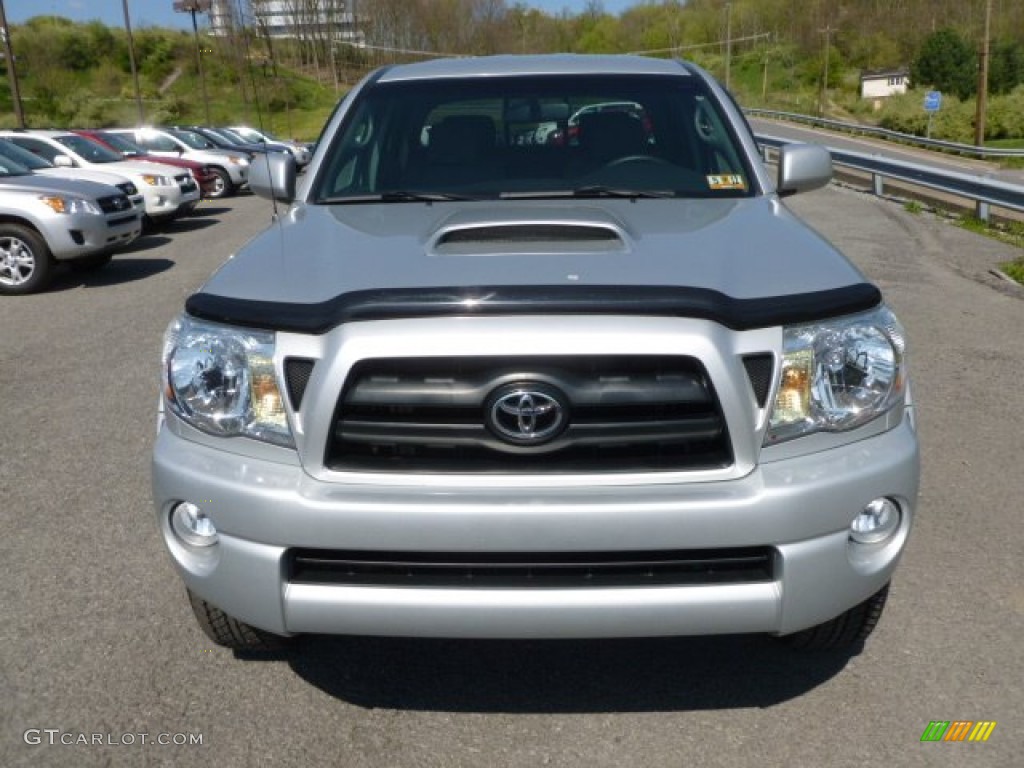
(204, 177)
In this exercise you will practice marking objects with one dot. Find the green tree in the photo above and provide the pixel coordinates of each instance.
(947, 62)
(1006, 68)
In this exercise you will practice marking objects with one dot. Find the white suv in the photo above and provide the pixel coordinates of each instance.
(167, 192)
(230, 168)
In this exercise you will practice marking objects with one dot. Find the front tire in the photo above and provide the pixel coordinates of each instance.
(229, 632)
(846, 630)
(221, 186)
(25, 260)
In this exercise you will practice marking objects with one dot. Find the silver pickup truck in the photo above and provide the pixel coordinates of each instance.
(45, 220)
(600, 385)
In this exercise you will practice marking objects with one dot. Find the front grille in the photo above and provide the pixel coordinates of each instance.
(114, 204)
(121, 220)
(531, 570)
(186, 183)
(629, 413)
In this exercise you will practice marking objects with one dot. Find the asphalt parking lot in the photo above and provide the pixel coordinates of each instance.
(98, 640)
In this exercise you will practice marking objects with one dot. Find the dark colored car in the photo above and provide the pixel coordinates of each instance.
(117, 142)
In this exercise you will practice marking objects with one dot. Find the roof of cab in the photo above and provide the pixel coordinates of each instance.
(549, 64)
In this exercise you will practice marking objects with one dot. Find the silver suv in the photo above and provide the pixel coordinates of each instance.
(45, 220)
(467, 386)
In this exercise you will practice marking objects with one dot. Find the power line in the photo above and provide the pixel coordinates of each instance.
(760, 36)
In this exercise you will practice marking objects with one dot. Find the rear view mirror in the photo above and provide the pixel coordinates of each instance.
(803, 167)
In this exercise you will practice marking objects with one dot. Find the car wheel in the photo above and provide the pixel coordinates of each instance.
(25, 260)
(91, 263)
(844, 631)
(229, 632)
(221, 186)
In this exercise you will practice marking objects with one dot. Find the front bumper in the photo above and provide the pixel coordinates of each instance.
(800, 507)
(84, 234)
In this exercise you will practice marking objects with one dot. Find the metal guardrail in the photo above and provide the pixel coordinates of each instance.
(903, 138)
(985, 192)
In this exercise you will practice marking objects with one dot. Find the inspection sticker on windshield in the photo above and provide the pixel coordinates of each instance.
(729, 181)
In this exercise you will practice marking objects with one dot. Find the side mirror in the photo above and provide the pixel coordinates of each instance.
(272, 176)
(63, 161)
(803, 167)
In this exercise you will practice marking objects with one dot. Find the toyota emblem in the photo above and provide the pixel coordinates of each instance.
(527, 414)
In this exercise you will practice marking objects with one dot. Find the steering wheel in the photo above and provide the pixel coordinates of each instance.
(654, 159)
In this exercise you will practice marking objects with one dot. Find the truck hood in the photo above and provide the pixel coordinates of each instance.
(743, 248)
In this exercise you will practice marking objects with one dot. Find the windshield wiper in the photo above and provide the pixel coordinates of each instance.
(599, 190)
(397, 196)
(593, 190)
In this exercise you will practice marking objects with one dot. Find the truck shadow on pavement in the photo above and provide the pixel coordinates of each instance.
(561, 676)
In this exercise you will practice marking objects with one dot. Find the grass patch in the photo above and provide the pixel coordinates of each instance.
(1014, 269)
(913, 206)
(1011, 233)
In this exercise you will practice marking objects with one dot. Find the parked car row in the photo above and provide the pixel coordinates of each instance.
(78, 196)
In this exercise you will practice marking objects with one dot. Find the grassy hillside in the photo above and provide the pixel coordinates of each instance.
(80, 75)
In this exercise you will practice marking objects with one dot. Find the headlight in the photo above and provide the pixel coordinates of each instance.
(238, 161)
(838, 375)
(157, 181)
(69, 205)
(221, 380)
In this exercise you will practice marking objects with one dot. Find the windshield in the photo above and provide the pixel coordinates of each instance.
(538, 136)
(249, 135)
(123, 145)
(9, 167)
(13, 153)
(88, 150)
(194, 140)
(230, 136)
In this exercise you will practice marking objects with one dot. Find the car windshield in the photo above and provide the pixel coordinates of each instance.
(537, 136)
(89, 150)
(13, 153)
(123, 145)
(248, 134)
(9, 167)
(194, 140)
(230, 136)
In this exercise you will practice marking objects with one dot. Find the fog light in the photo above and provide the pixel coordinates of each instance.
(192, 525)
(877, 522)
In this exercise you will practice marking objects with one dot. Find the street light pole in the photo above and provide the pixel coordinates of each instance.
(194, 7)
(12, 74)
(131, 59)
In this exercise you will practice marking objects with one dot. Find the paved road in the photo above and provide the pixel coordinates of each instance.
(888, 149)
(96, 637)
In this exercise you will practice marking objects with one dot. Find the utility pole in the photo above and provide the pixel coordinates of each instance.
(979, 118)
(824, 80)
(12, 74)
(131, 59)
(728, 42)
(194, 7)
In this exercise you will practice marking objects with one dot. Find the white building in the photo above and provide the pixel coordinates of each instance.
(287, 18)
(879, 83)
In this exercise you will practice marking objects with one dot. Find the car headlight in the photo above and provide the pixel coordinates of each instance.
(157, 181)
(838, 375)
(70, 205)
(222, 381)
(238, 161)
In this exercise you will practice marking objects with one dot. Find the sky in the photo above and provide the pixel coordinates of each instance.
(160, 13)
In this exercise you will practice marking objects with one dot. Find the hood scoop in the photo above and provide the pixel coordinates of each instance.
(530, 237)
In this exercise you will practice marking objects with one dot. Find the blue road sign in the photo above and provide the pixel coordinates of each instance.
(932, 101)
